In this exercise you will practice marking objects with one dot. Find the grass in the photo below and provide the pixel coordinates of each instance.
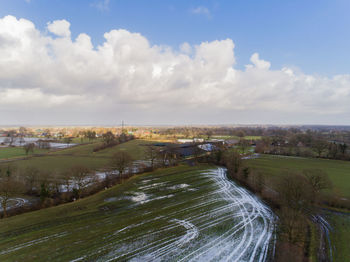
(275, 166)
(82, 150)
(97, 225)
(340, 237)
(136, 148)
(13, 152)
(81, 155)
(133, 147)
(60, 163)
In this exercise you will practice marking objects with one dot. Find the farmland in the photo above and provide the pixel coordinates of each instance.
(183, 213)
(12, 152)
(340, 237)
(275, 166)
(81, 155)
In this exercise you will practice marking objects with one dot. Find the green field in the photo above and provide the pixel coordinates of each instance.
(134, 147)
(179, 212)
(12, 152)
(81, 155)
(275, 166)
(340, 237)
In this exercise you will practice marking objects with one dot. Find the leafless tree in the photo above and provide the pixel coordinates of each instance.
(233, 162)
(29, 148)
(319, 146)
(243, 145)
(318, 179)
(67, 180)
(209, 133)
(10, 187)
(108, 138)
(151, 154)
(295, 192)
(31, 177)
(80, 175)
(120, 161)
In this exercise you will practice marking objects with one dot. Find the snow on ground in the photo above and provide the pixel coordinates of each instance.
(220, 221)
(247, 236)
(14, 203)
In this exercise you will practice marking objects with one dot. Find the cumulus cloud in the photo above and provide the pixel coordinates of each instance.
(127, 77)
(59, 28)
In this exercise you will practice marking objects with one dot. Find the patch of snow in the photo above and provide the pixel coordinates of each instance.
(180, 186)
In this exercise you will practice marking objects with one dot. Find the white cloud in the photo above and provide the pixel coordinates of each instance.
(259, 63)
(59, 28)
(201, 10)
(102, 5)
(186, 48)
(59, 78)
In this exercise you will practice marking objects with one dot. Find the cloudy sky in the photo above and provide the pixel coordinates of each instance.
(174, 62)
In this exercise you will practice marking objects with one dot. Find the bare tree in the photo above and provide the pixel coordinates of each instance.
(318, 179)
(292, 225)
(108, 138)
(151, 154)
(80, 175)
(295, 192)
(319, 146)
(31, 177)
(56, 182)
(209, 134)
(233, 163)
(244, 145)
(67, 180)
(11, 137)
(10, 187)
(90, 134)
(120, 161)
(45, 188)
(29, 148)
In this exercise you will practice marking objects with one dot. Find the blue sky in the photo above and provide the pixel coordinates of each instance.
(311, 35)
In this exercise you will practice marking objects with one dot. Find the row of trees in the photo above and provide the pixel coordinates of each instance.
(295, 197)
(303, 145)
(109, 140)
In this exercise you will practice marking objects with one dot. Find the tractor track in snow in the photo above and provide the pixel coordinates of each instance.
(249, 238)
(224, 222)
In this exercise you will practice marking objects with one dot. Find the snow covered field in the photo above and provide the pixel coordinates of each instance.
(181, 216)
(249, 227)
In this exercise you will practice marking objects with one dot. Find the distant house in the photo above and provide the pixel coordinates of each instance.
(186, 150)
(231, 142)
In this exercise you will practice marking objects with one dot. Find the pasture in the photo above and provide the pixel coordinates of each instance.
(340, 238)
(275, 166)
(64, 159)
(13, 152)
(178, 214)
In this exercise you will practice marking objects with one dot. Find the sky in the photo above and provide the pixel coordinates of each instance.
(98, 62)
